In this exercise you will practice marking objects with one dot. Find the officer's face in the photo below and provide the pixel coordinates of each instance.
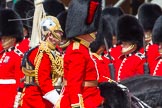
(53, 39)
(128, 47)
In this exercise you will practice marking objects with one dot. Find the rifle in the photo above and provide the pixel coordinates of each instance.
(146, 65)
(111, 65)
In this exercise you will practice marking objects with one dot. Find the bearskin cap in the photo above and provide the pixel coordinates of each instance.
(22, 7)
(9, 26)
(112, 14)
(83, 17)
(113, 11)
(147, 15)
(104, 32)
(53, 7)
(62, 19)
(129, 29)
(29, 22)
(157, 31)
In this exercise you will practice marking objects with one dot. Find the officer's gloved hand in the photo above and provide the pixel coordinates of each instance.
(17, 100)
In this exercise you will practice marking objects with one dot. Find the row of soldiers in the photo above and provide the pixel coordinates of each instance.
(78, 45)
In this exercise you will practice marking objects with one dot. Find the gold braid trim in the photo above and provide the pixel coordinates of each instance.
(37, 62)
(57, 66)
(55, 58)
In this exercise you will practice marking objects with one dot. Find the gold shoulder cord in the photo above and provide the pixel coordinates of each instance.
(57, 61)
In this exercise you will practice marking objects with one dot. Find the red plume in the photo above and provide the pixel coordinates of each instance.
(91, 11)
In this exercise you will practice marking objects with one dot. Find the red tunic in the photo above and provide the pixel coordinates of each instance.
(127, 66)
(154, 60)
(115, 52)
(10, 75)
(102, 65)
(79, 67)
(33, 95)
(23, 46)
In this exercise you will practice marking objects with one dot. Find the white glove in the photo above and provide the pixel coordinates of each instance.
(17, 99)
(52, 96)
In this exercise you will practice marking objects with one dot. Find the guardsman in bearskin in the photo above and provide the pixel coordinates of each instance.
(22, 7)
(43, 65)
(80, 72)
(99, 47)
(102, 61)
(112, 14)
(155, 50)
(147, 15)
(129, 62)
(11, 32)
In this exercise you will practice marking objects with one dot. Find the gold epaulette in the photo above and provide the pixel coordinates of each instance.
(97, 56)
(76, 45)
(84, 42)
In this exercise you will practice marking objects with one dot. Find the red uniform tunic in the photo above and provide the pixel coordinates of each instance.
(78, 68)
(33, 95)
(115, 52)
(23, 46)
(154, 60)
(102, 66)
(127, 66)
(10, 75)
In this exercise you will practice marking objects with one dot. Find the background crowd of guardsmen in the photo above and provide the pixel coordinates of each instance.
(96, 44)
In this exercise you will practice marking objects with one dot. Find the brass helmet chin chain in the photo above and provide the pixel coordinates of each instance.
(9, 41)
(55, 58)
